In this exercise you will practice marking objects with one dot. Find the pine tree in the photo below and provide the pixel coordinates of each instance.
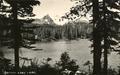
(105, 27)
(17, 8)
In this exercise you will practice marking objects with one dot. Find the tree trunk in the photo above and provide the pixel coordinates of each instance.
(97, 55)
(105, 57)
(16, 35)
(105, 40)
(96, 40)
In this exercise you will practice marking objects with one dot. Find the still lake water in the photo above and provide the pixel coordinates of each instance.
(77, 49)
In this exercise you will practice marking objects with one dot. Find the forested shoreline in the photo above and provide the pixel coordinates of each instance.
(47, 32)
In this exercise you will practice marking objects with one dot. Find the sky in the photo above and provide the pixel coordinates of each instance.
(54, 8)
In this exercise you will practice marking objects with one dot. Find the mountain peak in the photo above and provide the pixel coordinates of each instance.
(48, 19)
(45, 20)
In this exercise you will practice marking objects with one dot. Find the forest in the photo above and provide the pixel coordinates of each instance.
(47, 32)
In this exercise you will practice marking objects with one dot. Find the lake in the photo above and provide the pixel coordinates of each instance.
(77, 49)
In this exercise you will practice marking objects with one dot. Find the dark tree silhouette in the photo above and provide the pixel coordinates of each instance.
(105, 27)
(17, 8)
(109, 21)
(67, 63)
(96, 39)
(85, 6)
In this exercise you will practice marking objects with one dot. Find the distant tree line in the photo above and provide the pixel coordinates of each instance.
(54, 32)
